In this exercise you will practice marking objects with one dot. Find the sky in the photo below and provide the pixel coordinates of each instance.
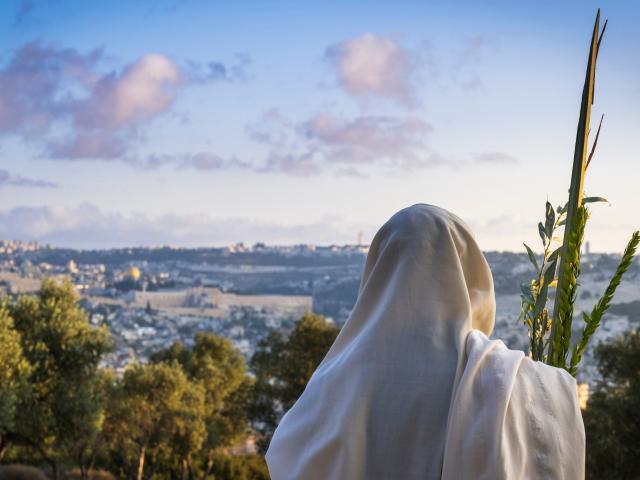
(206, 123)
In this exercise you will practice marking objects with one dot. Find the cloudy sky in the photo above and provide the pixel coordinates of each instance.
(208, 123)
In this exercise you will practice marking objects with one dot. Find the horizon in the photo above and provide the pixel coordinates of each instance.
(196, 124)
(251, 247)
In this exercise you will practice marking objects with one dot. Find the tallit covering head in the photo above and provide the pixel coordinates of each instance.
(377, 406)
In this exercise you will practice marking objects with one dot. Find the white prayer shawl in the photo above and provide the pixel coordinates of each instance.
(513, 418)
(402, 395)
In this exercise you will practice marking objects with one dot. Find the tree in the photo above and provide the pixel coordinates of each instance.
(612, 418)
(155, 413)
(89, 448)
(61, 408)
(240, 467)
(220, 370)
(283, 366)
(14, 371)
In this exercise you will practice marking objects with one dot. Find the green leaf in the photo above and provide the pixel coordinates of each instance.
(592, 322)
(532, 257)
(541, 302)
(594, 200)
(567, 288)
(548, 276)
(549, 272)
(527, 295)
(542, 233)
(550, 218)
(564, 209)
(554, 254)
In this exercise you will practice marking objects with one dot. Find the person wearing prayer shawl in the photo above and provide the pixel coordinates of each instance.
(413, 388)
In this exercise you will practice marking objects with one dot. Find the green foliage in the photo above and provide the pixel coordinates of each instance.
(14, 374)
(569, 264)
(534, 294)
(592, 321)
(239, 467)
(612, 416)
(75, 474)
(215, 365)
(154, 413)
(554, 348)
(283, 366)
(173, 418)
(573, 216)
(60, 410)
(567, 289)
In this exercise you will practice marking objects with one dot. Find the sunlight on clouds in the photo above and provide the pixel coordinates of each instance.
(374, 65)
(63, 102)
(370, 138)
(326, 141)
(146, 88)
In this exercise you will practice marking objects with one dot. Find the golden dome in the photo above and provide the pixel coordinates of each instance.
(134, 272)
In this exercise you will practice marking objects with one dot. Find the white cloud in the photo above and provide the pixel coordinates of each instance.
(374, 65)
(63, 101)
(495, 157)
(106, 121)
(382, 140)
(346, 147)
(146, 88)
(326, 144)
(198, 161)
(87, 226)
(8, 179)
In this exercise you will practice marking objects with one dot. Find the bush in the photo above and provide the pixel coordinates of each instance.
(93, 475)
(613, 413)
(240, 467)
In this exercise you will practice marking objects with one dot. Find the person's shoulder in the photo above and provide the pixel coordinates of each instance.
(549, 373)
(478, 342)
(490, 354)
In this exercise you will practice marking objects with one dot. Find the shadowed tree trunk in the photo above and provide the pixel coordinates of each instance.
(4, 443)
(83, 464)
(141, 463)
(55, 471)
(192, 473)
(207, 469)
(183, 469)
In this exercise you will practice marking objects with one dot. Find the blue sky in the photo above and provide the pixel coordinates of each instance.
(208, 123)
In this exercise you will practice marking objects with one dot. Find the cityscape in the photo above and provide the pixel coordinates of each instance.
(151, 297)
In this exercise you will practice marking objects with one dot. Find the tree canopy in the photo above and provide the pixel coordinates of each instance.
(283, 365)
(612, 417)
(189, 412)
(155, 418)
(60, 409)
(14, 375)
(220, 371)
